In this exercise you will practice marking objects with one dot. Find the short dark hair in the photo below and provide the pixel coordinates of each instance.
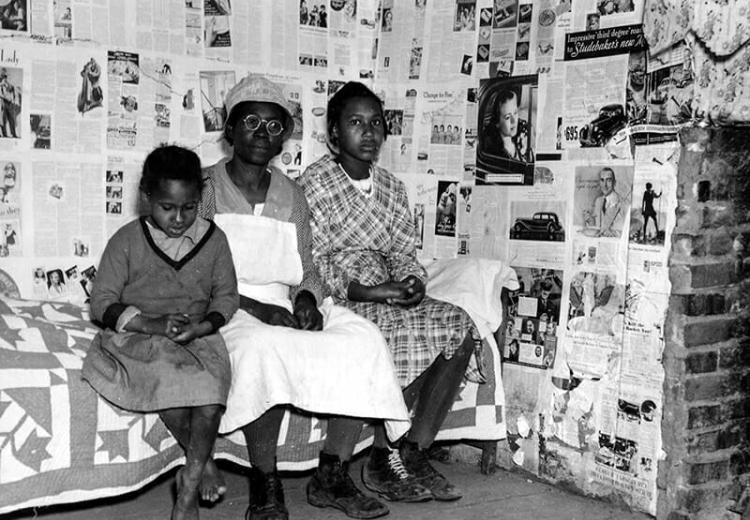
(608, 169)
(351, 90)
(171, 163)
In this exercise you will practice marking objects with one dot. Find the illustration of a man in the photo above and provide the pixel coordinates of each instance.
(8, 106)
(647, 208)
(546, 304)
(607, 210)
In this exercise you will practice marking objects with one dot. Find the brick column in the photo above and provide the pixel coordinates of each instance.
(706, 420)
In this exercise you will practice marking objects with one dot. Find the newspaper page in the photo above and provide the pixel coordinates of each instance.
(398, 152)
(214, 84)
(549, 134)
(121, 180)
(591, 15)
(421, 190)
(488, 222)
(484, 38)
(250, 29)
(659, 95)
(315, 94)
(87, 17)
(531, 336)
(523, 50)
(440, 123)
(601, 207)
(217, 33)
(122, 111)
(78, 124)
(11, 236)
(15, 19)
(471, 135)
(348, 41)
(502, 47)
(451, 39)
(543, 29)
(68, 207)
(62, 13)
(435, 205)
(159, 25)
(401, 43)
(627, 445)
(194, 27)
(312, 47)
(12, 98)
(594, 95)
(139, 92)
(506, 122)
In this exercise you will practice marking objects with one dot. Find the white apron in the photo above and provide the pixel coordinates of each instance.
(345, 369)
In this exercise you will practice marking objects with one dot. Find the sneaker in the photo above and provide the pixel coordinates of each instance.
(266, 497)
(417, 463)
(386, 475)
(331, 486)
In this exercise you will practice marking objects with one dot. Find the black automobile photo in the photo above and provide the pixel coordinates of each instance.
(611, 119)
(543, 225)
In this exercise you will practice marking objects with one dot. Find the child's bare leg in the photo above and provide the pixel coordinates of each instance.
(204, 425)
(212, 485)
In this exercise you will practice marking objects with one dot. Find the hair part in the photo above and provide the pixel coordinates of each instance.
(351, 90)
(171, 163)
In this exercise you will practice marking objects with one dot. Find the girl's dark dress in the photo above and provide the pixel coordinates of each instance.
(142, 372)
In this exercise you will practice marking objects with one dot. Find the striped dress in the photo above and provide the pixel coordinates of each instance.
(370, 240)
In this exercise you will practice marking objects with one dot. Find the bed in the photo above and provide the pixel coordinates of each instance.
(61, 443)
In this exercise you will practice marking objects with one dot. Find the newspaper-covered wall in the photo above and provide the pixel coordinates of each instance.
(541, 133)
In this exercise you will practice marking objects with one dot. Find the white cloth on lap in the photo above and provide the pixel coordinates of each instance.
(345, 369)
(475, 285)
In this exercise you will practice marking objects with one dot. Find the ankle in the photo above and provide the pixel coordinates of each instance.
(410, 446)
(265, 466)
(328, 457)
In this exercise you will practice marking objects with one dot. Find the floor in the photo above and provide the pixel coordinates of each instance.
(503, 495)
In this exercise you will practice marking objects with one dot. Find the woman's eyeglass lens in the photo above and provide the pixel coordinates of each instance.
(252, 123)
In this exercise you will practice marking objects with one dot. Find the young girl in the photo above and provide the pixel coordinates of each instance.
(364, 247)
(165, 285)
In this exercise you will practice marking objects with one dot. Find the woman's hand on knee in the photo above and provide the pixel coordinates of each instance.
(307, 313)
(387, 292)
(412, 292)
(276, 315)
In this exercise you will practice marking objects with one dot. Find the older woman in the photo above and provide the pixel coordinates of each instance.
(364, 245)
(287, 345)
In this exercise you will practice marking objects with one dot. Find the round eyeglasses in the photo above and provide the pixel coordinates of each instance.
(252, 123)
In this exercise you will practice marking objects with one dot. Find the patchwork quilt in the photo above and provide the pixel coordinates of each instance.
(60, 442)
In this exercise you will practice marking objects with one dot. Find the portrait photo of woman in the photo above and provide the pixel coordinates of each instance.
(55, 283)
(507, 113)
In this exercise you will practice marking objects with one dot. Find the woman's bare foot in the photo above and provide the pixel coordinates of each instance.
(212, 486)
(186, 504)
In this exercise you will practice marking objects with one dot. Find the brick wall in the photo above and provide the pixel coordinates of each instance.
(706, 421)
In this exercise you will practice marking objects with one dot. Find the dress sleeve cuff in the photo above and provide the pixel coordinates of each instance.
(112, 314)
(215, 319)
(128, 314)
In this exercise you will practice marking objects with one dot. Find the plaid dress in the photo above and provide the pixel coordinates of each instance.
(370, 240)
